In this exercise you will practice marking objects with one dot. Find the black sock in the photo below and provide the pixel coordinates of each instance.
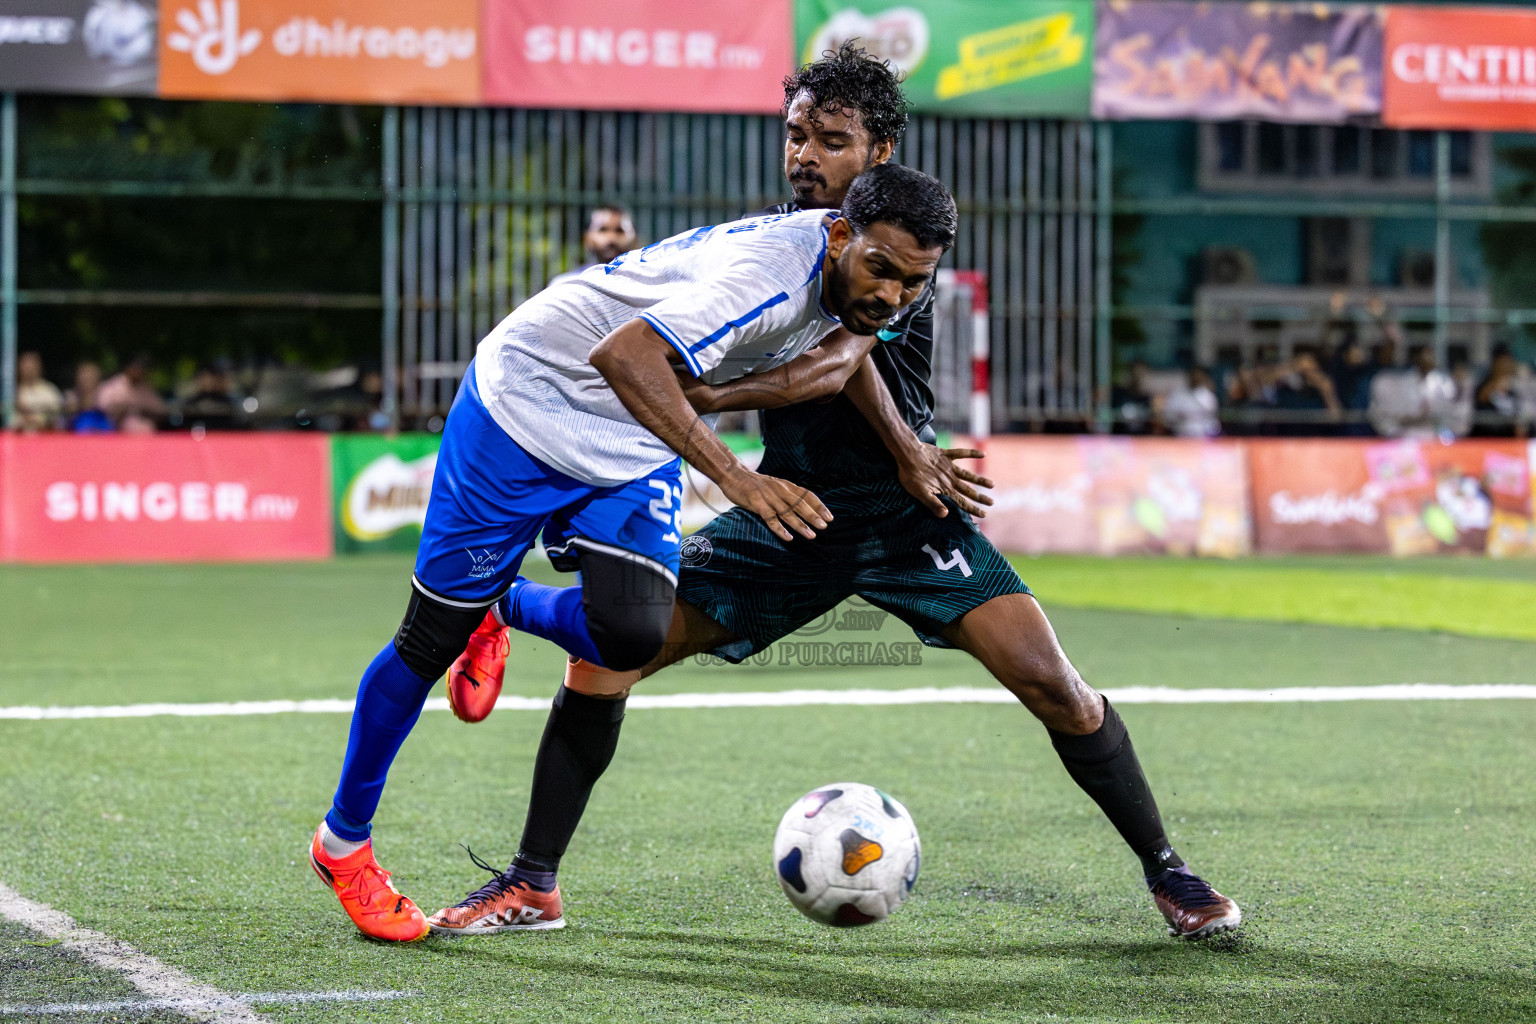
(1104, 764)
(579, 741)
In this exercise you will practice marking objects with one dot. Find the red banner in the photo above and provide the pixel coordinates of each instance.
(1460, 67)
(164, 499)
(723, 57)
(1112, 496)
(1398, 497)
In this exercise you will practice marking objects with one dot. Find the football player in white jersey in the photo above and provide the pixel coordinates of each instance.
(742, 589)
(571, 421)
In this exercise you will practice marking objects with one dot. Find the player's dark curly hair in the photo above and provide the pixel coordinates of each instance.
(908, 198)
(853, 77)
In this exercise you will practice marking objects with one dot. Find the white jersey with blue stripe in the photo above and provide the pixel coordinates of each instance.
(733, 299)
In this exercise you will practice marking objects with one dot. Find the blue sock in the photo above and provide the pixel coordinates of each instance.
(389, 701)
(554, 613)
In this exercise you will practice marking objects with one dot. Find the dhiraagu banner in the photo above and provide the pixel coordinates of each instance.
(381, 486)
(967, 57)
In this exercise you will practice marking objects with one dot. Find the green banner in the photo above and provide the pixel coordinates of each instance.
(381, 487)
(1022, 58)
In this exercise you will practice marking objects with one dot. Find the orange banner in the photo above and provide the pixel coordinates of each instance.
(1112, 496)
(1392, 497)
(333, 51)
(1459, 67)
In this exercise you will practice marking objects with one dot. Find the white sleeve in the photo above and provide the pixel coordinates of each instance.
(749, 298)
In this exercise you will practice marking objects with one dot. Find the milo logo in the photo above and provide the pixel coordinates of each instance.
(899, 35)
(387, 495)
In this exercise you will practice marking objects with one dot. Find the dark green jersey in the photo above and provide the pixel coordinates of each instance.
(830, 447)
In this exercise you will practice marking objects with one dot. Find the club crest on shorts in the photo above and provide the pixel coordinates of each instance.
(482, 565)
(695, 551)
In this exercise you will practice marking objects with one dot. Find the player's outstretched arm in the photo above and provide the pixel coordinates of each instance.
(638, 364)
(925, 471)
(818, 374)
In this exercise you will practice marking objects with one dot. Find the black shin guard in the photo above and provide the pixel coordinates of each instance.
(1104, 765)
(579, 741)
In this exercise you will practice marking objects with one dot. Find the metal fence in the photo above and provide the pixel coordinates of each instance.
(483, 207)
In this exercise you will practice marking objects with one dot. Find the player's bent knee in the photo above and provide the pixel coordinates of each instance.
(627, 646)
(432, 634)
(629, 609)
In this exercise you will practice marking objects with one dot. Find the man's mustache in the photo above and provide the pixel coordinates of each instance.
(811, 176)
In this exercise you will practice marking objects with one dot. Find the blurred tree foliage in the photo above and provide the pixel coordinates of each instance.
(198, 244)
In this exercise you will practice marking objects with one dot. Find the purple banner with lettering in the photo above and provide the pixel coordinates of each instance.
(1168, 59)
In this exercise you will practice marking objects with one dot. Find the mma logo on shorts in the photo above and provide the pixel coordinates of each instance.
(695, 551)
(483, 565)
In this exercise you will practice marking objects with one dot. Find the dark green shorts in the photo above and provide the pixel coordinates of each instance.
(926, 571)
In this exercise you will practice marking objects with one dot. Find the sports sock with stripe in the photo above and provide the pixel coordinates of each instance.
(579, 740)
(1103, 763)
(335, 846)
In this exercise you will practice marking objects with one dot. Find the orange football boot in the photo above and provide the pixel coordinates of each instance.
(373, 904)
(474, 681)
(500, 905)
(1191, 907)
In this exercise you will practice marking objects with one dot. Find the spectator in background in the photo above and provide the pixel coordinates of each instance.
(1191, 411)
(1352, 372)
(39, 404)
(134, 406)
(610, 233)
(1416, 402)
(82, 403)
(1132, 403)
(1305, 398)
(1498, 394)
(213, 404)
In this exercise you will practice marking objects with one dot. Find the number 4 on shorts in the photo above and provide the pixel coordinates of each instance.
(955, 558)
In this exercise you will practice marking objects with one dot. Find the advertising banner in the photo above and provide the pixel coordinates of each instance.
(1392, 497)
(1167, 59)
(725, 57)
(1113, 496)
(381, 486)
(88, 46)
(224, 498)
(1452, 67)
(335, 51)
(967, 57)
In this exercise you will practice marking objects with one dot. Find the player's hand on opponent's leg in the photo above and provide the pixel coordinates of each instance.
(931, 471)
(783, 506)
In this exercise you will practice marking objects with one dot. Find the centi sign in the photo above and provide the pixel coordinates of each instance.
(1476, 69)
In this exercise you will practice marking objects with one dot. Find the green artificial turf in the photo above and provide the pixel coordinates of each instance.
(1471, 597)
(1380, 850)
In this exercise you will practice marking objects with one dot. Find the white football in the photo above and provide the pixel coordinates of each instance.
(846, 854)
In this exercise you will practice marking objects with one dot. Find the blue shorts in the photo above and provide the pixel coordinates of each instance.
(490, 499)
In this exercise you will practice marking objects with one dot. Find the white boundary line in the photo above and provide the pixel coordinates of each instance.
(198, 1007)
(809, 698)
(166, 986)
(147, 974)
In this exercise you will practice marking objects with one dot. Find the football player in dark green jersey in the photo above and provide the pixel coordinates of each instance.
(902, 538)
